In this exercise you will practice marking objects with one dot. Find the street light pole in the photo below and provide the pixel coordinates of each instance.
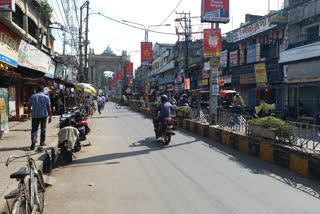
(146, 29)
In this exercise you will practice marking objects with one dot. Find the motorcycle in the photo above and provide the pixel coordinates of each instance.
(68, 145)
(164, 130)
(76, 119)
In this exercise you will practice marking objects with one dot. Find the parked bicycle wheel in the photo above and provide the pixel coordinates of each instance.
(41, 196)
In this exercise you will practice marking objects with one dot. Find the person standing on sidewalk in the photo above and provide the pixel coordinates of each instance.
(41, 109)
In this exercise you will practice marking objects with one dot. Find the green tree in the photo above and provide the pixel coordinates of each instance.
(104, 82)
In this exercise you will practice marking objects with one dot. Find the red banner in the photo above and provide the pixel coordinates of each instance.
(215, 11)
(7, 5)
(212, 42)
(130, 81)
(119, 75)
(146, 52)
(129, 69)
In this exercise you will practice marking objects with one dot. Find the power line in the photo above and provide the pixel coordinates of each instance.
(169, 15)
(68, 23)
(76, 11)
(133, 25)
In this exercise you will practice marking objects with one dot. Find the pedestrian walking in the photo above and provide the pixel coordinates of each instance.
(103, 101)
(100, 102)
(41, 109)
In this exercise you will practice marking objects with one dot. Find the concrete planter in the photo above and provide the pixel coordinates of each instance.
(261, 132)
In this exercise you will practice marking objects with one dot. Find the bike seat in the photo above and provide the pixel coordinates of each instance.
(20, 174)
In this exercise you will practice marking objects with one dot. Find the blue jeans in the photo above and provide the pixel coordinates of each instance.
(34, 131)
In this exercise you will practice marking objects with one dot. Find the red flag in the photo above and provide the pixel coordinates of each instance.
(129, 69)
(146, 52)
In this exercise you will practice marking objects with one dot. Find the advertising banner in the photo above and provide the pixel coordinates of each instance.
(242, 33)
(129, 69)
(33, 58)
(146, 53)
(251, 53)
(234, 58)
(224, 59)
(170, 87)
(280, 17)
(261, 74)
(215, 11)
(9, 46)
(187, 83)
(130, 81)
(205, 74)
(119, 75)
(8, 5)
(205, 82)
(212, 42)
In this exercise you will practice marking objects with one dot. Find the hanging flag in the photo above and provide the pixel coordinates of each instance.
(119, 75)
(130, 81)
(212, 42)
(146, 53)
(129, 69)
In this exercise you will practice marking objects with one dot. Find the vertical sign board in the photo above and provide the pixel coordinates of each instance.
(212, 42)
(187, 83)
(215, 11)
(130, 81)
(129, 69)
(119, 75)
(8, 5)
(260, 71)
(146, 53)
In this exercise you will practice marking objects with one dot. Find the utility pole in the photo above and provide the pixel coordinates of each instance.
(64, 43)
(83, 76)
(86, 44)
(80, 78)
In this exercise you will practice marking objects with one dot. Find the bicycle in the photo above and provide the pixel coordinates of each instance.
(31, 199)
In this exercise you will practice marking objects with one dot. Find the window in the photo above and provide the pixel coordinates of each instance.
(312, 33)
(32, 28)
(17, 17)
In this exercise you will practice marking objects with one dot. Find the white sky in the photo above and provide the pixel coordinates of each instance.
(104, 32)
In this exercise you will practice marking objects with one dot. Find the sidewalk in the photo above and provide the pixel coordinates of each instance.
(17, 142)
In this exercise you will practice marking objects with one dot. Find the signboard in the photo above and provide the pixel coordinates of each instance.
(129, 69)
(280, 17)
(130, 81)
(225, 79)
(33, 58)
(205, 82)
(215, 90)
(205, 74)
(8, 5)
(215, 11)
(249, 30)
(224, 59)
(146, 53)
(260, 71)
(234, 59)
(170, 87)
(51, 70)
(9, 46)
(212, 42)
(119, 75)
(251, 53)
(187, 83)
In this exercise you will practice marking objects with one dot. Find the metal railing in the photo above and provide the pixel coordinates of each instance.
(296, 134)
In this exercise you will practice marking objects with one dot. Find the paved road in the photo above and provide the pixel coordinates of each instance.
(128, 171)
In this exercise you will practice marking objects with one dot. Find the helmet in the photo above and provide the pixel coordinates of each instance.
(164, 98)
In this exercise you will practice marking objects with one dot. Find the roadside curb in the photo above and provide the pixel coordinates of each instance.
(293, 159)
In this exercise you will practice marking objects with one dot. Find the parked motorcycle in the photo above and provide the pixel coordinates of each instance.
(68, 142)
(164, 130)
(76, 119)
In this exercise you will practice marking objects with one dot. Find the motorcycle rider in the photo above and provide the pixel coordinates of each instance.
(164, 108)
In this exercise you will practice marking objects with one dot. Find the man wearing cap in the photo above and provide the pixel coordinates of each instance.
(41, 109)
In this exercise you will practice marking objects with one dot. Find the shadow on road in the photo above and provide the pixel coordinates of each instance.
(6, 149)
(149, 142)
(257, 166)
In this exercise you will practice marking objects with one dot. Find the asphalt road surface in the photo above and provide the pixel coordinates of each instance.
(127, 171)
